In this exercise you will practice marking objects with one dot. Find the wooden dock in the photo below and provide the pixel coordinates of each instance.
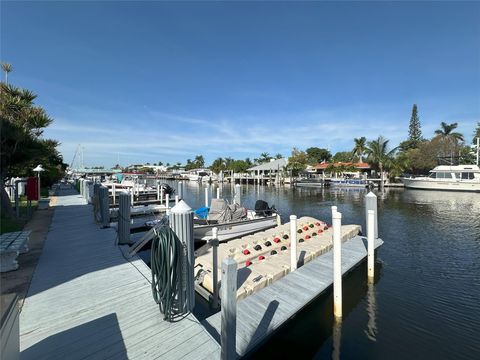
(261, 314)
(87, 301)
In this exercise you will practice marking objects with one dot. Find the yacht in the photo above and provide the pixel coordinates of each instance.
(445, 177)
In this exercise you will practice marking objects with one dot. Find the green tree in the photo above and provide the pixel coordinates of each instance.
(317, 155)
(297, 161)
(476, 134)
(359, 148)
(218, 165)
(278, 156)
(7, 68)
(343, 156)
(199, 161)
(264, 157)
(22, 144)
(379, 156)
(414, 128)
(450, 140)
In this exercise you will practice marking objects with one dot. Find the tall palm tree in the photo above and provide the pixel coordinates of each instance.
(6, 67)
(379, 155)
(359, 148)
(446, 132)
(264, 157)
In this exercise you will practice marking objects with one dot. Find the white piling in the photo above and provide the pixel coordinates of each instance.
(124, 218)
(371, 204)
(167, 200)
(238, 194)
(181, 222)
(337, 265)
(176, 199)
(114, 194)
(293, 243)
(214, 244)
(132, 195)
(218, 192)
(370, 246)
(180, 189)
(228, 335)
(334, 210)
(158, 190)
(206, 196)
(161, 195)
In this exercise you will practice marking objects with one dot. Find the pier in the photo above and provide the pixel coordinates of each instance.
(87, 301)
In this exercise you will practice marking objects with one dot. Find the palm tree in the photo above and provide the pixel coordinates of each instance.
(359, 148)
(6, 67)
(264, 157)
(450, 139)
(278, 156)
(379, 155)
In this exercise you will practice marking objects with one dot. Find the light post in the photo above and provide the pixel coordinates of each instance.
(38, 170)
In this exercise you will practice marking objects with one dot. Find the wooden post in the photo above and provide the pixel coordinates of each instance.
(104, 199)
(228, 335)
(370, 246)
(124, 218)
(181, 222)
(371, 204)
(238, 195)
(337, 265)
(206, 196)
(293, 243)
(214, 244)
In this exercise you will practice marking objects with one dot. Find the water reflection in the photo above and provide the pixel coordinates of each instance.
(372, 313)
(337, 339)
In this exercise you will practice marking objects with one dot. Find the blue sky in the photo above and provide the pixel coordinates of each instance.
(157, 81)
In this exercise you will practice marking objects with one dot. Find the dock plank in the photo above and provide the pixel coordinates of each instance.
(266, 310)
(86, 300)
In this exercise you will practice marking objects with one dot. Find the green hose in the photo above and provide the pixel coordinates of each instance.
(167, 258)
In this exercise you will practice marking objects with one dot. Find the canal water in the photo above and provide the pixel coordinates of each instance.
(425, 303)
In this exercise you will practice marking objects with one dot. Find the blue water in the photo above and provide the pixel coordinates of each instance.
(425, 303)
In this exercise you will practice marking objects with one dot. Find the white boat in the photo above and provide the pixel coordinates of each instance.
(349, 183)
(197, 174)
(446, 177)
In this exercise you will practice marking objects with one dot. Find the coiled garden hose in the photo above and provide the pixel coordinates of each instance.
(168, 278)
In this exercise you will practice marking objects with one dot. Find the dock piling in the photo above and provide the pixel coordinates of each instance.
(124, 218)
(293, 243)
(214, 243)
(114, 194)
(237, 194)
(167, 201)
(337, 265)
(176, 199)
(180, 190)
(218, 192)
(181, 222)
(206, 196)
(371, 204)
(370, 246)
(158, 190)
(229, 309)
(103, 198)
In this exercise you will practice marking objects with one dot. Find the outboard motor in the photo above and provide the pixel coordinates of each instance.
(167, 189)
(262, 208)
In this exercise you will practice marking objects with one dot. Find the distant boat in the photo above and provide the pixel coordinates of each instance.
(445, 177)
(204, 175)
(348, 183)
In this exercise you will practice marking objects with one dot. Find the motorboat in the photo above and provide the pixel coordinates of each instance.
(360, 183)
(447, 177)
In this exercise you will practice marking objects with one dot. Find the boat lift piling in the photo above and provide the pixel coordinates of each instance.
(238, 194)
(228, 336)
(370, 245)
(337, 265)
(124, 218)
(293, 243)
(371, 204)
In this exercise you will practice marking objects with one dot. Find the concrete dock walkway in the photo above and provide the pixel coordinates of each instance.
(87, 301)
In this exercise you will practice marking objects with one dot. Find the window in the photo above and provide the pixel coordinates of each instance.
(440, 175)
(448, 175)
(432, 175)
(458, 175)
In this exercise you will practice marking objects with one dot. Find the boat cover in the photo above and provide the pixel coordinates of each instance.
(222, 212)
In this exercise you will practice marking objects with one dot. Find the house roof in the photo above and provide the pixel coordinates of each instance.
(272, 165)
(360, 165)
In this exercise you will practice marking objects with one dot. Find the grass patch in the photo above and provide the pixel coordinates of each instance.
(8, 224)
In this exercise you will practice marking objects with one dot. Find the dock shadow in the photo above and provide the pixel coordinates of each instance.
(260, 333)
(301, 258)
(77, 341)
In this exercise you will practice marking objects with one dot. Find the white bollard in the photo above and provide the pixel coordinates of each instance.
(161, 195)
(293, 243)
(114, 195)
(206, 196)
(337, 265)
(371, 204)
(218, 193)
(214, 244)
(334, 210)
(167, 200)
(176, 199)
(158, 190)
(370, 246)
(228, 330)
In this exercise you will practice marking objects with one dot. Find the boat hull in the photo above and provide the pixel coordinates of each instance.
(422, 184)
(232, 230)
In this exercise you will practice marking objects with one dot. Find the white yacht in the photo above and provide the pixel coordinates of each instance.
(204, 175)
(445, 177)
